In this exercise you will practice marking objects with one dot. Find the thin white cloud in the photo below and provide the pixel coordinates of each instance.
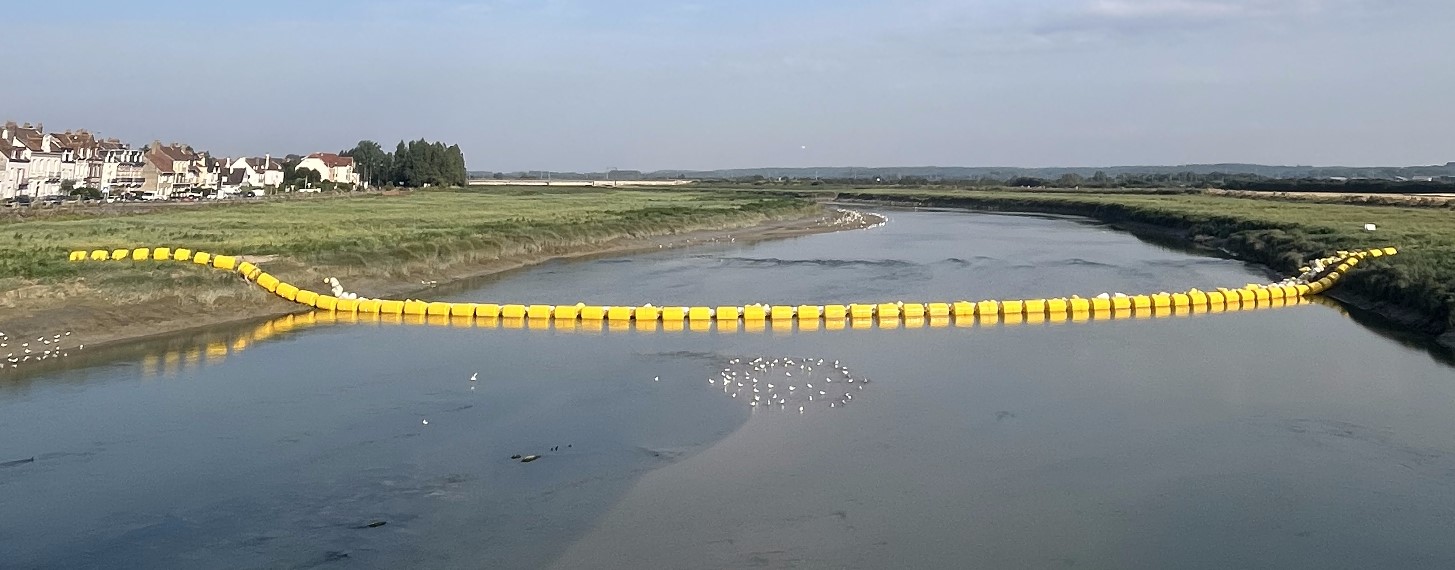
(1164, 9)
(1158, 16)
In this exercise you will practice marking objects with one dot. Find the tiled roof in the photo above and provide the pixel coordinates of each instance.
(272, 164)
(161, 161)
(76, 140)
(31, 139)
(236, 176)
(176, 152)
(332, 160)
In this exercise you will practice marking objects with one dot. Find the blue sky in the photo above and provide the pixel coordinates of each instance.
(588, 85)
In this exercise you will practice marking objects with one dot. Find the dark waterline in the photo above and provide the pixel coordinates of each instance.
(1284, 438)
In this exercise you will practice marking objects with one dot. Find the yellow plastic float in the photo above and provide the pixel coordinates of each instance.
(782, 317)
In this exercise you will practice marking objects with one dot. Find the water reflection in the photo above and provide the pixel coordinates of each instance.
(800, 326)
(169, 357)
(1205, 439)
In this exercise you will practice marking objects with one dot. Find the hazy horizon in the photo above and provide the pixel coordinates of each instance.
(571, 85)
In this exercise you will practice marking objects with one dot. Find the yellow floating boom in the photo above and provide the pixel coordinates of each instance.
(1312, 282)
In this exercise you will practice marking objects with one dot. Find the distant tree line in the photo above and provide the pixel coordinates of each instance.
(1003, 173)
(1101, 180)
(413, 164)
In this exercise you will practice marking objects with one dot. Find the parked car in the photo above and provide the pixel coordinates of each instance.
(17, 201)
(52, 200)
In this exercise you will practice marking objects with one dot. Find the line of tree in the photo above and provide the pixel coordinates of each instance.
(1102, 180)
(413, 164)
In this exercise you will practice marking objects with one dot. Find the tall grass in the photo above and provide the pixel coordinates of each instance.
(421, 227)
(376, 236)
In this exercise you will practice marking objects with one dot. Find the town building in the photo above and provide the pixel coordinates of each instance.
(210, 172)
(82, 164)
(46, 160)
(37, 163)
(14, 172)
(264, 172)
(170, 169)
(331, 167)
(233, 181)
(121, 167)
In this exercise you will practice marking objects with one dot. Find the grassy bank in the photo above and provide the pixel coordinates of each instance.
(386, 233)
(376, 244)
(1413, 288)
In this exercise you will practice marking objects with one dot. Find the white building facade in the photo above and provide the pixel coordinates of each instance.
(331, 167)
(14, 173)
(265, 172)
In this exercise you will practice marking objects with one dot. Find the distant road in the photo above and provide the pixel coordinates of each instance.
(608, 183)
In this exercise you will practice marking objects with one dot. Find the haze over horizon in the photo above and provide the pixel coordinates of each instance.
(701, 84)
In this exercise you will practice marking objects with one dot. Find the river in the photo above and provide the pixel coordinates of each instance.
(1288, 438)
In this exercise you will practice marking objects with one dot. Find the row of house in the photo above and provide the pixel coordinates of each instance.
(36, 163)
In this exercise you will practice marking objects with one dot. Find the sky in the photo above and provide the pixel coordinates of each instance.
(588, 85)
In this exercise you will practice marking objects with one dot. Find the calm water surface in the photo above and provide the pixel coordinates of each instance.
(1281, 438)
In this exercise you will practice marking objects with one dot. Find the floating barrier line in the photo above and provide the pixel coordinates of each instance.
(216, 349)
(1320, 276)
(589, 327)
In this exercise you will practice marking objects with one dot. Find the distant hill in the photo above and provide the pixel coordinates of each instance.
(1005, 173)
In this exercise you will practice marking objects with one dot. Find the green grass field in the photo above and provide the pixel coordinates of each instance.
(385, 232)
(376, 244)
(1282, 234)
(392, 239)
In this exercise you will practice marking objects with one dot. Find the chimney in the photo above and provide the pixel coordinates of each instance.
(267, 160)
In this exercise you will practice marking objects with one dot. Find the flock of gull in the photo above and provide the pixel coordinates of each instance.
(45, 347)
(856, 219)
(789, 384)
(1316, 268)
(338, 289)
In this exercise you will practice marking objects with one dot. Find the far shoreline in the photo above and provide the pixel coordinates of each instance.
(1388, 313)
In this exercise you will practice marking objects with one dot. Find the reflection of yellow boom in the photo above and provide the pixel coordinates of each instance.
(1323, 276)
(215, 349)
